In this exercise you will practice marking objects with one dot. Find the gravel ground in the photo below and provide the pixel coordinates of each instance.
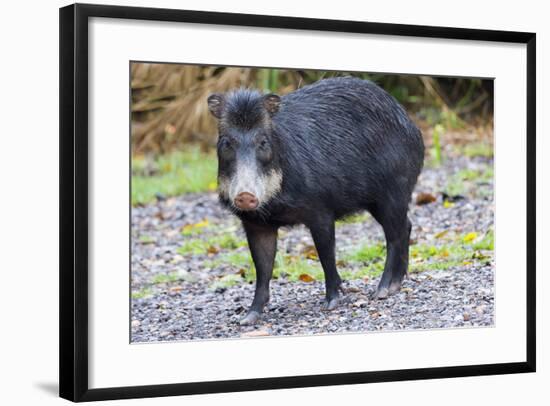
(175, 296)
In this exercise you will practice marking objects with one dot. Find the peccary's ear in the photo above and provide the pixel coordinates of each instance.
(215, 104)
(272, 103)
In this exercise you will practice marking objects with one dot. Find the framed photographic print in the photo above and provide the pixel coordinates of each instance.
(255, 202)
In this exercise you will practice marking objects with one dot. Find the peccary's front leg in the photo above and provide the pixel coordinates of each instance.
(322, 231)
(262, 241)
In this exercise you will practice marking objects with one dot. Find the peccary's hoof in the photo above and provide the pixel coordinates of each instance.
(395, 287)
(251, 318)
(331, 304)
(382, 293)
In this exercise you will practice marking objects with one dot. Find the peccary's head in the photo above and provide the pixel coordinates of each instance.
(249, 172)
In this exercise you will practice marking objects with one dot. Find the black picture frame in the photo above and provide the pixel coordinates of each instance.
(73, 281)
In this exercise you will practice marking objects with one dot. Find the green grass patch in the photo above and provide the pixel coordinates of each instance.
(146, 239)
(208, 244)
(478, 149)
(465, 179)
(475, 175)
(194, 229)
(372, 271)
(367, 253)
(446, 252)
(487, 243)
(295, 269)
(166, 278)
(226, 281)
(440, 265)
(237, 259)
(465, 250)
(353, 219)
(188, 171)
(227, 241)
(366, 261)
(142, 293)
(425, 251)
(288, 266)
(240, 260)
(194, 246)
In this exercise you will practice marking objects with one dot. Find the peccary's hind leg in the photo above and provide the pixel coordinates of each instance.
(397, 229)
(322, 231)
(400, 271)
(262, 241)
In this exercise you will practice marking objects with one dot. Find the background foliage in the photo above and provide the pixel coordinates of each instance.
(173, 133)
(169, 100)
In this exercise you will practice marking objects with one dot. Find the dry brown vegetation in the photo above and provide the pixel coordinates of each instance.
(169, 100)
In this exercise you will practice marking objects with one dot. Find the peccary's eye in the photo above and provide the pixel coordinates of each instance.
(264, 151)
(264, 144)
(225, 149)
(223, 144)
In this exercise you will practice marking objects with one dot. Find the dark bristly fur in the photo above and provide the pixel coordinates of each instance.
(342, 145)
(243, 109)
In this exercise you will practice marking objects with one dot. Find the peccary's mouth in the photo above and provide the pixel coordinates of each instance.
(248, 190)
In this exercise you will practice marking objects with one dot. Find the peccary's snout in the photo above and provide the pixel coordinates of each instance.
(246, 201)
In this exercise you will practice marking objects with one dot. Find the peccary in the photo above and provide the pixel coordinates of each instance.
(323, 152)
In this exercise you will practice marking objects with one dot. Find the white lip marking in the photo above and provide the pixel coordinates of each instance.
(248, 179)
(273, 181)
